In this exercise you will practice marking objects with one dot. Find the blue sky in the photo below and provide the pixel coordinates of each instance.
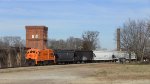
(66, 18)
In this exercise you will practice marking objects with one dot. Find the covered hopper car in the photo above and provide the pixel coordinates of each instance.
(103, 56)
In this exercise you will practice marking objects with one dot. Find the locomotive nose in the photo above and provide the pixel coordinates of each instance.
(29, 56)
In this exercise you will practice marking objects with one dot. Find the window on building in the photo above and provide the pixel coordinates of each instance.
(33, 51)
(36, 36)
(32, 36)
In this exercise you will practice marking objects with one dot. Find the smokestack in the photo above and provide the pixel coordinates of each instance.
(118, 39)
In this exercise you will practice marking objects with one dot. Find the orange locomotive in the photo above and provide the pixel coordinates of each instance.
(40, 57)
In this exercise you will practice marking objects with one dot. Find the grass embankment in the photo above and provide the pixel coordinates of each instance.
(122, 72)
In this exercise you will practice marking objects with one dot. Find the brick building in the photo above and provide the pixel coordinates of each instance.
(36, 37)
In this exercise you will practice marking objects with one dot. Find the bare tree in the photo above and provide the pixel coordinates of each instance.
(52, 43)
(56, 44)
(11, 41)
(90, 40)
(134, 37)
(13, 47)
(74, 43)
(70, 44)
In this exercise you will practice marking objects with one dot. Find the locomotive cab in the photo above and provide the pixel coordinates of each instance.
(32, 56)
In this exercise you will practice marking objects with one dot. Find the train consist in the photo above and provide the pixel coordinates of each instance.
(49, 56)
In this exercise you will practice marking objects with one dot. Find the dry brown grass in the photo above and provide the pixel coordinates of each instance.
(98, 73)
(123, 72)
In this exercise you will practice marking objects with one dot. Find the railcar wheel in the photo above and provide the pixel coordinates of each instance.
(33, 63)
(30, 62)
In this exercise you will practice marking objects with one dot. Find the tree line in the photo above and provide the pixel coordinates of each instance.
(11, 41)
(88, 41)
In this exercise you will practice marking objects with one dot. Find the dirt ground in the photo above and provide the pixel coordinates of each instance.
(95, 73)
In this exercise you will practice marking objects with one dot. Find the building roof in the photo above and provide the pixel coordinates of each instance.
(36, 27)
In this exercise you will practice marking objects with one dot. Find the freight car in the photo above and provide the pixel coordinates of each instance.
(103, 56)
(73, 56)
(112, 56)
(40, 57)
(64, 56)
(83, 56)
(125, 55)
